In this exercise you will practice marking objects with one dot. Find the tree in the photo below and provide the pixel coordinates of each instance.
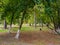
(2, 7)
(26, 5)
(52, 9)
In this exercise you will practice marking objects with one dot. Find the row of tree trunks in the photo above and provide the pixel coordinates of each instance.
(21, 22)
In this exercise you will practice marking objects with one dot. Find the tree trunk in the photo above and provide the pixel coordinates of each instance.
(11, 22)
(5, 24)
(57, 25)
(59, 17)
(30, 24)
(34, 19)
(10, 28)
(18, 32)
(42, 24)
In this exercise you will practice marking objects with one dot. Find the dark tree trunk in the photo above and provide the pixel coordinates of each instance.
(59, 17)
(57, 25)
(5, 24)
(30, 24)
(34, 19)
(22, 20)
(11, 22)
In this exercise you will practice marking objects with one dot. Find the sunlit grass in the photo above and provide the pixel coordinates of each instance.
(25, 29)
(14, 29)
(3, 30)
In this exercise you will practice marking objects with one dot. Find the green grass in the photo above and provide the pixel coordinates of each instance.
(26, 29)
(3, 30)
(30, 29)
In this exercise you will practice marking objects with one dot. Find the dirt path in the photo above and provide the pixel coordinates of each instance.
(30, 38)
(15, 43)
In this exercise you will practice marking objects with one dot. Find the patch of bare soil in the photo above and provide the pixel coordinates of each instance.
(30, 38)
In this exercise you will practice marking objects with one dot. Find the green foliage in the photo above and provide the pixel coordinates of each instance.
(45, 11)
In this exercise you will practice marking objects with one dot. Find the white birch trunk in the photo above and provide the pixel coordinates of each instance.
(58, 30)
(9, 29)
(18, 33)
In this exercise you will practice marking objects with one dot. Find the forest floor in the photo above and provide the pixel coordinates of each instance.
(30, 38)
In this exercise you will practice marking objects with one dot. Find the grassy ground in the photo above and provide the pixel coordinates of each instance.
(30, 29)
(30, 36)
(26, 29)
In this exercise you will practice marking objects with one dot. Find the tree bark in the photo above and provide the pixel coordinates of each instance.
(10, 28)
(11, 22)
(59, 17)
(34, 19)
(5, 24)
(57, 25)
(22, 19)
